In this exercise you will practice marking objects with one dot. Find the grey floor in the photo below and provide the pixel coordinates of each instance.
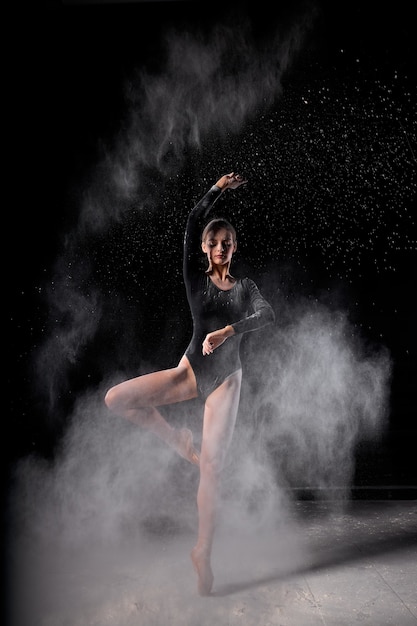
(325, 566)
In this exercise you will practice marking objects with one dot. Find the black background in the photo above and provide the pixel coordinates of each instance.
(68, 96)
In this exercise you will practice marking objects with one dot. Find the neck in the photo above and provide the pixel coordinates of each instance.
(221, 274)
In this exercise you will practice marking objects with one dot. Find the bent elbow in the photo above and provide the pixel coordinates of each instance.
(270, 317)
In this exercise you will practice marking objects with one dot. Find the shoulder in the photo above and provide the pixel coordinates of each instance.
(247, 283)
(247, 286)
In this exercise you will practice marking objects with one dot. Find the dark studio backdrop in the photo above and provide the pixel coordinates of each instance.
(114, 158)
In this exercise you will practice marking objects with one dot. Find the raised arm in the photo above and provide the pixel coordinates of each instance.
(192, 238)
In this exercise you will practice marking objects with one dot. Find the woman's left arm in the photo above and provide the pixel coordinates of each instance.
(263, 314)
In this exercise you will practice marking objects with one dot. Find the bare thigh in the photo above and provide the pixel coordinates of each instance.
(155, 389)
(219, 419)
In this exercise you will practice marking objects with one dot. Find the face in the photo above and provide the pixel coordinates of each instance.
(219, 247)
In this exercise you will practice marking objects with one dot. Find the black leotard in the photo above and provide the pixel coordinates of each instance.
(242, 307)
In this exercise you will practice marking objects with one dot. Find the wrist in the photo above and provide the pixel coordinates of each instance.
(229, 331)
(222, 183)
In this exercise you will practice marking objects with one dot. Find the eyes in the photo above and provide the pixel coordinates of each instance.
(227, 243)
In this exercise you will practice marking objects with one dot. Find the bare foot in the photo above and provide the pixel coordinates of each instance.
(183, 444)
(201, 563)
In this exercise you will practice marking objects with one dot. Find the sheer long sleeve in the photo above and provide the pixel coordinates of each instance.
(262, 315)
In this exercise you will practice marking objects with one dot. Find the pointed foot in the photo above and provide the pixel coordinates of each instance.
(202, 567)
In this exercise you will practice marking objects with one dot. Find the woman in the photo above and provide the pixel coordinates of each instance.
(222, 308)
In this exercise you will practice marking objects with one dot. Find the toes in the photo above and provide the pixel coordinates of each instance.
(202, 568)
(190, 453)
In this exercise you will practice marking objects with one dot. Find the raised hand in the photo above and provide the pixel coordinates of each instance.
(230, 181)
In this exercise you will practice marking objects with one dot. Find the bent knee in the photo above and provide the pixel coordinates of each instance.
(115, 400)
(110, 398)
(122, 403)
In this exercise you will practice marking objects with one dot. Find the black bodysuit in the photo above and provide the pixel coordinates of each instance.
(242, 307)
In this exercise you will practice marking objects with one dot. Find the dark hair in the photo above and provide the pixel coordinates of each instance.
(215, 225)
